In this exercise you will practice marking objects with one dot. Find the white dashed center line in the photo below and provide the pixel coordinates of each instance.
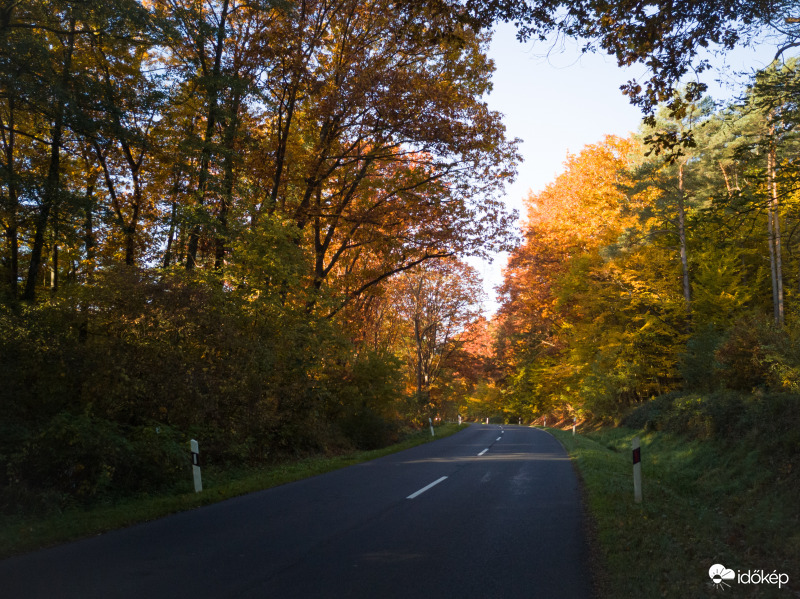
(423, 489)
(484, 451)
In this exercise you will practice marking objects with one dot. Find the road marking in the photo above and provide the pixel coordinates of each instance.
(498, 438)
(484, 451)
(423, 489)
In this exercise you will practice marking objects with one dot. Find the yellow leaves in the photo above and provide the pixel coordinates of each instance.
(584, 202)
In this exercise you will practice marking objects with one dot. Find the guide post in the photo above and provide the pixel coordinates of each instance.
(637, 470)
(198, 482)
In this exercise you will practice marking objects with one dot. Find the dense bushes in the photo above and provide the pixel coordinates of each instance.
(768, 423)
(102, 390)
(771, 420)
(751, 354)
(739, 383)
(368, 398)
(79, 457)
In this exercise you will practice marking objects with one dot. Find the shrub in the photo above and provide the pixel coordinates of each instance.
(771, 419)
(159, 457)
(368, 430)
(366, 399)
(74, 455)
(781, 359)
(741, 354)
(650, 414)
(80, 458)
(699, 366)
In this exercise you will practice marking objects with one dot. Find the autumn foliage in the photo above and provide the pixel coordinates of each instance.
(234, 221)
(249, 223)
(567, 224)
(649, 267)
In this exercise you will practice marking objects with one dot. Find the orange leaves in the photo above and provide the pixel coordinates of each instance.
(543, 294)
(582, 204)
(578, 213)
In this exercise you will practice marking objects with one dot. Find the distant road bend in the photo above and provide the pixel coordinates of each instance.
(489, 513)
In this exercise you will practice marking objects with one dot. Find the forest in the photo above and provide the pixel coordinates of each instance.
(647, 270)
(248, 223)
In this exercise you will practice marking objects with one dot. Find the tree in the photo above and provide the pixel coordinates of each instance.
(46, 56)
(774, 95)
(122, 135)
(438, 301)
(665, 179)
(297, 159)
(581, 212)
(405, 162)
(759, 178)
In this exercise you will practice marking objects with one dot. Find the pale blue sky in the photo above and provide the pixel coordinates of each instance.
(557, 101)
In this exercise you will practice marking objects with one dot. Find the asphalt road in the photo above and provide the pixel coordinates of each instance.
(501, 523)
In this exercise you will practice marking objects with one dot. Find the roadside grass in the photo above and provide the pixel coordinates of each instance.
(22, 534)
(704, 502)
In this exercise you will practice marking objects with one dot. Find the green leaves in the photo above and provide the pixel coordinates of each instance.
(689, 251)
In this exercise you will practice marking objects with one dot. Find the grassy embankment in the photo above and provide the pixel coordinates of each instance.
(720, 486)
(18, 535)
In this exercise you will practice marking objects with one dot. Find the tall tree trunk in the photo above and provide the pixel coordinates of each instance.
(222, 232)
(419, 338)
(130, 229)
(687, 291)
(13, 243)
(181, 254)
(727, 179)
(88, 235)
(175, 191)
(213, 89)
(773, 228)
(284, 126)
(52, 184)
(286, 108)
(778, 263)
(171, 235)
(773, 265)
(418, 342)
(12, 229)
(228, 181)
(54, 258)
(89, 241)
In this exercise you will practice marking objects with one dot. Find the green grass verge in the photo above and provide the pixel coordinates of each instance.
(20, 534)
(704, 503)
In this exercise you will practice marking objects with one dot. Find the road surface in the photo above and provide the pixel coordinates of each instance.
(491, 512)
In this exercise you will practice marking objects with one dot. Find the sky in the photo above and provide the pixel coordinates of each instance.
(557, 101)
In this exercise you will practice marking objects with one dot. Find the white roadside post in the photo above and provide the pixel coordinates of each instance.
(198, 483)
(431, 423)
(545, 422)
(574, 424)
(459, 420)
(637, 470)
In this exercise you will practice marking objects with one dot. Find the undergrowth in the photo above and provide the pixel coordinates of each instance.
(720, 486)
